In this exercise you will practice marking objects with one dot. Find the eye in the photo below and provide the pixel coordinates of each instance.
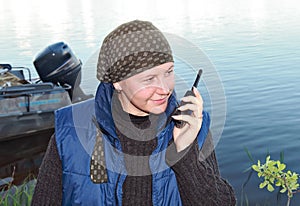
(170, 71)
(149, 79)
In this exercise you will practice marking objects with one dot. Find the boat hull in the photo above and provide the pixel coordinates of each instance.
(21, 155)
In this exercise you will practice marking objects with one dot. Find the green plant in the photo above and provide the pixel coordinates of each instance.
(274, 175)
(20, 195)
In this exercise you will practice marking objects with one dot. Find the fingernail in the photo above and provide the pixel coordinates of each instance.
(195, 89)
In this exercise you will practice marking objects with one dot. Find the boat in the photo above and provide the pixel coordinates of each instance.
(27, 108)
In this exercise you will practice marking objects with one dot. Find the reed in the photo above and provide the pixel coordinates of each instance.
(13, 195)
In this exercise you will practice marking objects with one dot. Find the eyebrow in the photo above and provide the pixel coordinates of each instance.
(171, 66)
(151, 75)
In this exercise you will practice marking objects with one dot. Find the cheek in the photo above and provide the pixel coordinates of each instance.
(171, 85)
(143, 95)
(172, 81)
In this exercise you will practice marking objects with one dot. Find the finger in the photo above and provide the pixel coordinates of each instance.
(193, 107)
(198, 115)
(191, 120)
(197, 93)
(193, 100)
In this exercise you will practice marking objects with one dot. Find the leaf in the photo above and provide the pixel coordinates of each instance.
(294, 187)
(258, 163)
(271, 163)
(281, 166)
(270, 188)
(268, 158)
(283, 190)
(262, 185)
(256, 168)
(278, 183)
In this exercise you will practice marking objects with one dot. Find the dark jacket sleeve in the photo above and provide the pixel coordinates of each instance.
(198, 176)
(48, 189)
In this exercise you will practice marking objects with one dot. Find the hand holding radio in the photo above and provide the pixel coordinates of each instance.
(188, 117)
(179, 110)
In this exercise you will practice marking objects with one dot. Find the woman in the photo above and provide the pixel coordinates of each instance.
(122, 147)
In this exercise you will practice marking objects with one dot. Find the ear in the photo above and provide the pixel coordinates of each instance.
(117, 86)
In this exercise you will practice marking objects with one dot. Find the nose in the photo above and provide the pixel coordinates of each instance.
(163, 86)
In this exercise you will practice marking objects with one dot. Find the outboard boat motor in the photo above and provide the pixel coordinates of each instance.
(58, 64)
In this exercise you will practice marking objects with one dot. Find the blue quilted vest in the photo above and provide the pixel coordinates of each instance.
(76, 136)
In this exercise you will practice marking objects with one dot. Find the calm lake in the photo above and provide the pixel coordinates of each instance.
(253, 47)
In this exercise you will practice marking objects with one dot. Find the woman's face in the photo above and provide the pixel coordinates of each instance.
(148, 91)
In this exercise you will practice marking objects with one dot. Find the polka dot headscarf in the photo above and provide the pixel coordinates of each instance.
(132, 48)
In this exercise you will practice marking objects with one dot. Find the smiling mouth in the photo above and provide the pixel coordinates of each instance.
(163, 99)
(160, 101)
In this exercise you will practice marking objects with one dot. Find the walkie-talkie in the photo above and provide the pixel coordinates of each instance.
(180, 123)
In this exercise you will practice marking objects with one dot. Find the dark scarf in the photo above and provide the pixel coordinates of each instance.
(137, 135)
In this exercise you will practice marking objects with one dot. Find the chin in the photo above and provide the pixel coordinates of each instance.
(158, 110)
